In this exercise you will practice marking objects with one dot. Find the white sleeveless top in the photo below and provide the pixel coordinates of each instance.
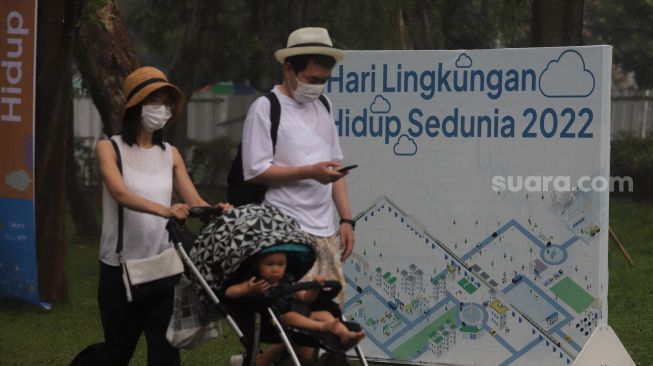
(148, 174)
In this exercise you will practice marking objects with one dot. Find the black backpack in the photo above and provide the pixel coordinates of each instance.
(240, 192)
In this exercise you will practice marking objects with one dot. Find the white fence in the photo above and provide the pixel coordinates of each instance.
(632, 112)
(216, 115)
(209, 116)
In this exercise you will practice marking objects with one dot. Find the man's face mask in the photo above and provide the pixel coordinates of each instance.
(154, 117)
(306, 93)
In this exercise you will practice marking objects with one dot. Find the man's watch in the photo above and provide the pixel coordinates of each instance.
(350, 222)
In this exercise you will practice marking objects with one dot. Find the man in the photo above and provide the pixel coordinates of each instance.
(301, 169)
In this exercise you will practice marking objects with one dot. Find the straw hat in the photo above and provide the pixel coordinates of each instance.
(146, 80)
(309, 41)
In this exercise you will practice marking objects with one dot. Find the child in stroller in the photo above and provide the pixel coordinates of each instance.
(292, 309)
(224, 260)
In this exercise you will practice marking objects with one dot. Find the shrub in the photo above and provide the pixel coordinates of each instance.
(632, 156)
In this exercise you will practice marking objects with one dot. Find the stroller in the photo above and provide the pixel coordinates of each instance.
(220, 256)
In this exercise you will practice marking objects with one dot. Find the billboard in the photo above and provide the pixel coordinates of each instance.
(481, 201)
(17, 92)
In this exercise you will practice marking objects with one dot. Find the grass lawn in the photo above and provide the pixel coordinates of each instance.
(630, 295)
(30, 336)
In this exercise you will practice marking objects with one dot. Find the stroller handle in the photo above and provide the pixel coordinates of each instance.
(329, 290)
(204, 213)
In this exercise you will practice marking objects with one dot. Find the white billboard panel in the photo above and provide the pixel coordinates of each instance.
(481, 198)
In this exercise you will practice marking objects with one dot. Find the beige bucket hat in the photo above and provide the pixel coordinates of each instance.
(308, 41)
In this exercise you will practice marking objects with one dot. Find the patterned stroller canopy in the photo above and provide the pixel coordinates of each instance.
(223, 246)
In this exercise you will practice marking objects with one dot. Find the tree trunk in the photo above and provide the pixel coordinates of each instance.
(264, 70)
(56, 19)
(401, 26)
(422, 11)
(183, 73)
(81, 212)
(105, 56)
(557, 23)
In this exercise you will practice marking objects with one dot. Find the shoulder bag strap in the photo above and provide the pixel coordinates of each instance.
(120, 208)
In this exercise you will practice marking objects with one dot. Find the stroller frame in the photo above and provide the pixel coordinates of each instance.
(205, 214)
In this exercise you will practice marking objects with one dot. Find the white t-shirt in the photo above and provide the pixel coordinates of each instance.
(147, 173)
(307, 135)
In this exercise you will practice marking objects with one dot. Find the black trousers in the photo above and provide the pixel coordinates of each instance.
(123, 322)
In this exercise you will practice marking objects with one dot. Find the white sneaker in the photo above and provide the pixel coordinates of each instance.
(236, 360)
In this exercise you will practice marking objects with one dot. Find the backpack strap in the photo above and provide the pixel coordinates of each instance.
(325, 102)
(275, 116)
(120, 208)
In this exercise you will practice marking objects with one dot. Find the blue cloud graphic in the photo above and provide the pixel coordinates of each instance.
(463, 61)
(380, 105)
(567, 77)
(405, 146)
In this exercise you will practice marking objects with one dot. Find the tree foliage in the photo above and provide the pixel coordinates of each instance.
(241, 36)
(627, 26)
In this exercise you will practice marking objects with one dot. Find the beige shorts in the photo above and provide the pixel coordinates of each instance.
(327, 263)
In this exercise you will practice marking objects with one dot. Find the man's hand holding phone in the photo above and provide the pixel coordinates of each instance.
(347, 168)
(329, 171)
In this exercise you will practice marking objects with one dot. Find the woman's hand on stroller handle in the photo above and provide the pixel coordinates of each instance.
(200, 211)
(178, 211)
(207, 213)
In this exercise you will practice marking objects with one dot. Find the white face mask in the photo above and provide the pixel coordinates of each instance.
(306, 93)
(154, 117)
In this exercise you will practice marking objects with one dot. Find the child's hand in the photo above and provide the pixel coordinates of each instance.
(257, 287)
(319, 279)
(224, 206)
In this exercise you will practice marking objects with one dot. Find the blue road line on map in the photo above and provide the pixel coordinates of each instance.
(488, 240)
(503, 342)
(408, 325)
(378, 297)
(567, 316)
(569, 242)
(523, 230)
(521, 352)
(544, 295)
(528, 234)
(575, 345)
(509, 287)
(371, 337)
(380, 346)
(354, 298)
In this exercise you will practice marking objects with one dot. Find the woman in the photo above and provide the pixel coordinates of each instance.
(151, 171)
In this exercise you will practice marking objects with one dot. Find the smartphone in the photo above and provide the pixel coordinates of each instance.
(347, 168)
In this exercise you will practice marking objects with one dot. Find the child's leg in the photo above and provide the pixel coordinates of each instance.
(297, 320)
(346, 336)
(269, 355)
(322, 316)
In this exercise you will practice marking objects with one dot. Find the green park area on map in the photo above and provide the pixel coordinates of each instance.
(572, 294)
